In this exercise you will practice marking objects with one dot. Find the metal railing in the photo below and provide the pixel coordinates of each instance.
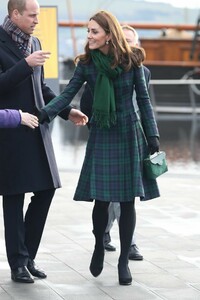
(176, 109)
(173, 109)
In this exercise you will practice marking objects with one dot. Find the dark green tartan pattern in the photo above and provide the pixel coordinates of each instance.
(113, 164)
(123, 93)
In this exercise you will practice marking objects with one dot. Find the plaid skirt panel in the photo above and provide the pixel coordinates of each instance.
(113, 165)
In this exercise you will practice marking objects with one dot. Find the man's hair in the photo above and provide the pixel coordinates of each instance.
(127, 27)
(20, 5)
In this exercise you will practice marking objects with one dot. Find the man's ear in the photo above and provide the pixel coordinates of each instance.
(15, 14)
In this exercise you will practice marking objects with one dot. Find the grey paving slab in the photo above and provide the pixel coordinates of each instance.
(179, 294)
(167, 234)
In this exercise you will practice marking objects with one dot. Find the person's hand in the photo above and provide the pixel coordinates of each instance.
(77, 117)
(41, 115)
(29, 120)
(37, 58)
(153, 144)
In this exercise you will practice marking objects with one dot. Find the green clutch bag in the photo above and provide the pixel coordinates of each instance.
(155, 165)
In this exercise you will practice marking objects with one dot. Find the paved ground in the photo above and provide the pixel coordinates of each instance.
(168, 235)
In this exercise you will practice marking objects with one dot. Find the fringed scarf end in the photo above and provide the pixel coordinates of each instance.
(104, 120)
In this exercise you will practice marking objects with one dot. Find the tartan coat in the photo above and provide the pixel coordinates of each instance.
(113, 165)
(27, 161)
(86, 101)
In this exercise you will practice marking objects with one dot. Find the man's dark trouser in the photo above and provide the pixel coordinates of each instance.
(23, 234)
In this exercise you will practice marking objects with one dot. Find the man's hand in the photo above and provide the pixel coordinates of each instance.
(37, 58)
(77, 117)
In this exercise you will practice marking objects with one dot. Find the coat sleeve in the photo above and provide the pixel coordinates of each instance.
(12, 77)
(86, 101)
(59, 103)
(9, 118)
(146, 110)
(147, 75)
(47, 93)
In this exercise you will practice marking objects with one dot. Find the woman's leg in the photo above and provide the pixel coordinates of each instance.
(126, 229)
(100, 220)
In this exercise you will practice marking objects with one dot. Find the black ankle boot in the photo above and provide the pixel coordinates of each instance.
(96, 265)
(124, 274)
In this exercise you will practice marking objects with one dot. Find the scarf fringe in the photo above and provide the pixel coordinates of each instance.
(105, 120)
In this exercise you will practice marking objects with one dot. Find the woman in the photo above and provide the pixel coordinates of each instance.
(13, 118)
(112, 169)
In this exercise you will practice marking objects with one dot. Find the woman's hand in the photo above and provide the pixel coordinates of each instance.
(153, 144)
(77, 117)
(29, 120)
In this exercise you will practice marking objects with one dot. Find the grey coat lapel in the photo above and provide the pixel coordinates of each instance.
(36, 77)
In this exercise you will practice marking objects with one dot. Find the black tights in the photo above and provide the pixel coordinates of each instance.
(126, 226)
(100, 220)
(127, 222)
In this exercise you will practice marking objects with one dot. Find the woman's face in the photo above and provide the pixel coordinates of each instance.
(97, 37)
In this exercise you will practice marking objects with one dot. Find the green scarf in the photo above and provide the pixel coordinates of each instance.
(104, 111)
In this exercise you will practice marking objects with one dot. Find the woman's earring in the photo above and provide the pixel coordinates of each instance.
(107, 42)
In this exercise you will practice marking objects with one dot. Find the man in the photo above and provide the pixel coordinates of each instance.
(86, 106)
(26, 155)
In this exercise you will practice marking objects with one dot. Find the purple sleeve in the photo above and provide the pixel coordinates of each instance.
(9, 118)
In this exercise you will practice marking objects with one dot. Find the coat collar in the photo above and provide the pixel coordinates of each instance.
(6, 41)
(34, 44)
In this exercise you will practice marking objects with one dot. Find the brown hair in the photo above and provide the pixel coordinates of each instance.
(122, 53)
(20, 5)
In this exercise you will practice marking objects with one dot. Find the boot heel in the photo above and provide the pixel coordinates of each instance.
(124, 274)
(96, 265)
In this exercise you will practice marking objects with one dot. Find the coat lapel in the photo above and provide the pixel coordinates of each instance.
(8, 43)
(36, 77)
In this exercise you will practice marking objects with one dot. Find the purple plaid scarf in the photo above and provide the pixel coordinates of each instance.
(22, 39)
